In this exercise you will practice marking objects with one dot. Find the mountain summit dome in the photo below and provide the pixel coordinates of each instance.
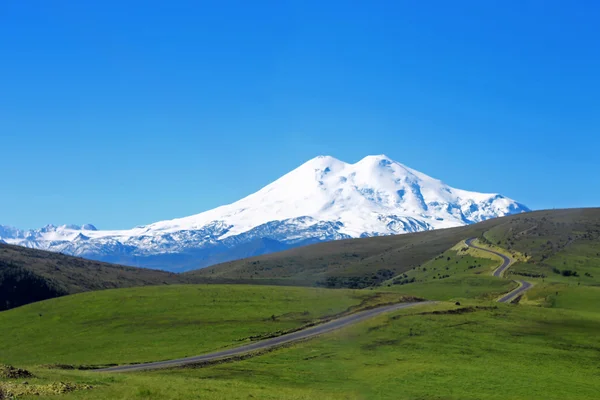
(323, 199)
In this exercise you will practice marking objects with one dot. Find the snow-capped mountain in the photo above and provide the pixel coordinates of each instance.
(323, 199)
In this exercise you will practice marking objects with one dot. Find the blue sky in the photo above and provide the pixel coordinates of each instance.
(122, 113)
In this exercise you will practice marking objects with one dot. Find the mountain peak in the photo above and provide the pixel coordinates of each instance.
(70, 226)
(377, 157)
(323, 199)
(377, 162)
(322, 162)
(325, 160)
(325, 157)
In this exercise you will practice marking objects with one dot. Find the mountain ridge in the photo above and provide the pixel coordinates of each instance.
(323, 199)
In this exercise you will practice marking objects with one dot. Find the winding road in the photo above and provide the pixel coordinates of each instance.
(313, 331)
(267, 343)
(499, 272)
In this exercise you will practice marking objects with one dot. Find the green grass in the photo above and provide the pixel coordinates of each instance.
(540, 349)
(157, 323)
(556, 243)
(512, 352)
(452, 263)
(582, 258)
(545, 347)
(457, 288)
(458, 273)
(560, 295)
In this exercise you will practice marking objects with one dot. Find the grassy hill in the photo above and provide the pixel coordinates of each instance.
(479, 350)
(559, 246)
(539, 348)
(549, 238)
(458, 273)
(348, 260)
(161, 322)
(28, 275)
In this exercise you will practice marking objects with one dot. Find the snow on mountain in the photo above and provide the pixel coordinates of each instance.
(323, 199)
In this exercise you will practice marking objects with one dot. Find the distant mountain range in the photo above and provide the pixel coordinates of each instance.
(324, 199)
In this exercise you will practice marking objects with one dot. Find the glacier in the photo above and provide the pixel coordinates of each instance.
(324, 199)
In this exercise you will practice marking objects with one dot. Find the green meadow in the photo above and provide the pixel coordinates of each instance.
(162, 322)
(465, 347)
(496, 351)
(457, 274)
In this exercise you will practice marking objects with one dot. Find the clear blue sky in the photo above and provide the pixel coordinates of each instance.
(122, 113)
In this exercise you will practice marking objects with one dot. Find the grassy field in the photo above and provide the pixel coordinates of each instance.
(457, 288)
(157, 323)
(457, 274)
(567, 296)
(540, 349)
(544, 347)
(561, 246)
(578, 263)
(455, 262)
(508, 352)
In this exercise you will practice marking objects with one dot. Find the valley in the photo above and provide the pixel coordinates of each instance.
(474, 342)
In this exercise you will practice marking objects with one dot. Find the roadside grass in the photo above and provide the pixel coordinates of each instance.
(461, 249)
(457, 261)
(162, 322)
(561, 246)
(578, 263)
(515, 255)
(494, 352)
(482, 287)
(458, 273)
(566, 296)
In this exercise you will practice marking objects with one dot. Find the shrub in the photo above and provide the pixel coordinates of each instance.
(568, 272)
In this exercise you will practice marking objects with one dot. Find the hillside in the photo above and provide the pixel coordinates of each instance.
(28, 275)
(559, 245)
(159, 322)
(547, 237)
(420, 353)
(322, 200)
(466, 345)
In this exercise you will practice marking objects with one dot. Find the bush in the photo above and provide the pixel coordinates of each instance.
(565, 272)
(10, 372)
(568, 272)
(404, 281)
